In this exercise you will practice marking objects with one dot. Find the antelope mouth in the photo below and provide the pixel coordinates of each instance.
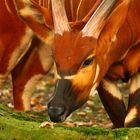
(61, 118)
(58, 114)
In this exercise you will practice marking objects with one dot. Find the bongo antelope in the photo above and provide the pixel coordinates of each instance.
(95, 44)
(22, 55)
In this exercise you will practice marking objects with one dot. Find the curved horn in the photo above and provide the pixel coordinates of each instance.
(59, 16)
(97, 20)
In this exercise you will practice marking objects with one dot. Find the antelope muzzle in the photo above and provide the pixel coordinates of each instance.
(63, 102)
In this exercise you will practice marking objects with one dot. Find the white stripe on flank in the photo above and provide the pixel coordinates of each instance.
(7, 7)
(21, 49)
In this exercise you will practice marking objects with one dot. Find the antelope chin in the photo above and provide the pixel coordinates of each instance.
(61, 118)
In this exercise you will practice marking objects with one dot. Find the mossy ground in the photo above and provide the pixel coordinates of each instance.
(25, 126)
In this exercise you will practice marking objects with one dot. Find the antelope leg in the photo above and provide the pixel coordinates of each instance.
(33, 66)
(133, 115)
(113, 103)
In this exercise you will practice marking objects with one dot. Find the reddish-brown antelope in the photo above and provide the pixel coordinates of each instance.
(16, 41)
(96, 42)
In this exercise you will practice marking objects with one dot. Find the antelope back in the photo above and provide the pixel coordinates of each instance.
(13, 39)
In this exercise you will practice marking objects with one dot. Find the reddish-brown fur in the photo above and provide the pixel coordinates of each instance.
(29, 66)
(12, 30)
(128, 42)
(66, 53)
(112, 43)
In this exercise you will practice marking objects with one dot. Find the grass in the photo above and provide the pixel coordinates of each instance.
(25, 126)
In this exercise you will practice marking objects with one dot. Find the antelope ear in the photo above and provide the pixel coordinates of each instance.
(113, 24)
(38, 18)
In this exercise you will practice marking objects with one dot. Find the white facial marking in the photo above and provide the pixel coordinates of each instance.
(66, 77)
(28, 89)
(20, 50)
(97, 73)
(131, 115)
(112, 89)
(45, 54)
(135, 84)
(72, 76)
(69, 77)
(93, 89)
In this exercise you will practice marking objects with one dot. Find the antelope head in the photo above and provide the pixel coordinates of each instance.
(80, 54)
(75, 55)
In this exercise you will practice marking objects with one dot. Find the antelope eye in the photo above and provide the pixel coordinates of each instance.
(88, 62)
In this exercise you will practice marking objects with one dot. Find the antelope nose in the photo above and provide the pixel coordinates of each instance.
(55, 113)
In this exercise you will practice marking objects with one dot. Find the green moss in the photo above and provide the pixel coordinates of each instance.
(100, 133)
(25, 126)
(13, 129)
(28, 116)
